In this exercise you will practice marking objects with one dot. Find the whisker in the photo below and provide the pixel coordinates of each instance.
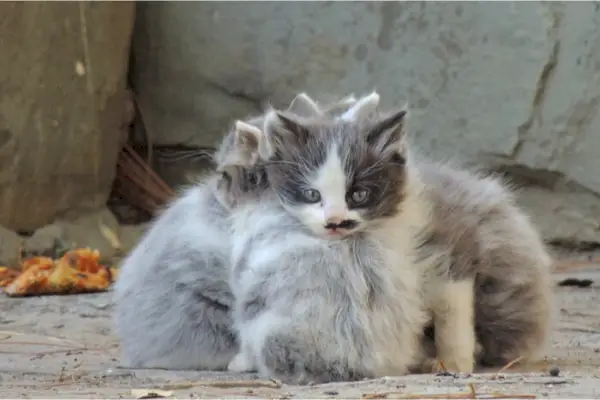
(280, 162)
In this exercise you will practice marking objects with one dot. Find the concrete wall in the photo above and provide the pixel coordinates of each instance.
(513, 86)
(63, 103)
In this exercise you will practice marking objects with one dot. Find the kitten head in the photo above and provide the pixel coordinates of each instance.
(237, 158)
(237, 165)
(338, 176)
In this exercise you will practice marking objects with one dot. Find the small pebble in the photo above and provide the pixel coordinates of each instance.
(554, 371)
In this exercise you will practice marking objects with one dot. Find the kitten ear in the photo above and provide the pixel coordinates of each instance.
(339, 105)
(241, 147)
(389, 131)
(280, 128)
(363, 107)
(304, 106)
(248, 140)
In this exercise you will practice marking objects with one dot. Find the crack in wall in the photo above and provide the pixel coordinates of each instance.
(542, 85)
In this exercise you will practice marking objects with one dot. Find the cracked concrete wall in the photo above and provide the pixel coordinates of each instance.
(63, 107)
(513, 86)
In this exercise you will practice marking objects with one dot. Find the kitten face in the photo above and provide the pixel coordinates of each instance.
(237, 157)
(338, 177)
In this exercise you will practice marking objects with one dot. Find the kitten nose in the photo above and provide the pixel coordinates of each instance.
(334, 220)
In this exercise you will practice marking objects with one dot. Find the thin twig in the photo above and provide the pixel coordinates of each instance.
(136, 157)
(567, 265)
(506, 367)
(510, 364)
(472, 391)
(144, 120)
(30, 343)
(463, 395)
(224, 384)
(71, 341)
(441, 366)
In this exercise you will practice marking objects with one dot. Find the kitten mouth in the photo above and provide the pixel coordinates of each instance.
(336, 233)
(338, 230)
(345, 225)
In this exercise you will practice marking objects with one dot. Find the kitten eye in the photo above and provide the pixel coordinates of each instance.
(359, 196)
(311, 195)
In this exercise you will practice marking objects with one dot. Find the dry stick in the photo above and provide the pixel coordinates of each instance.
(136, 157)
(149, 144)
(472, 391)
(149, 197)
(441, 366)
(45, 353)
(71, 341)
(130, 169)
(224, 384)
(129, 173)
(506, 367)
(566, 265)
(126, 171)
(31, 343)
(467, 395)
(134, 196)
(72, 382)
(510, 364)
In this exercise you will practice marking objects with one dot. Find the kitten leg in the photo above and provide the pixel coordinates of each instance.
(242, 362)
(454, 318)
(290, 353)
(293, 360)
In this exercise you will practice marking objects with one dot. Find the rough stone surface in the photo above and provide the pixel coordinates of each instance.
(97, 230)
(10, 243)
(46, 241)
(512, 86)
(63, 106)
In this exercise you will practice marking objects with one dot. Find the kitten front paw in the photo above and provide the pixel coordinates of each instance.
(242, 362)
(464, 365)
(292, 361)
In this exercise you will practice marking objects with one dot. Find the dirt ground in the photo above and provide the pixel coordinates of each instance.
(63, 347)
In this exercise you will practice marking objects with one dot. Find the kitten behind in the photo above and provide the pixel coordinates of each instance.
(478, 240)
(172, 298)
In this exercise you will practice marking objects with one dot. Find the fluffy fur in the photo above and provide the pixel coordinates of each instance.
(172, 297)
(323, 290)
(487, 271)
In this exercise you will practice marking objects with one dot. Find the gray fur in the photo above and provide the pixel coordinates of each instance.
(477, 232)
(309, 309)
(313, 309)
(172, 298)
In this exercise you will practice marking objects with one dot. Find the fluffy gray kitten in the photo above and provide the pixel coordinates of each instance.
(172, 298)
(487, 271)
(323, 290)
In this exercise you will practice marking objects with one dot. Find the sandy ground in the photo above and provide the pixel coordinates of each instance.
(63, 347)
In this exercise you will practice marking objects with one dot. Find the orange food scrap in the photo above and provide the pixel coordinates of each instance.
(7, 275)
(47, 261)
(78, 271)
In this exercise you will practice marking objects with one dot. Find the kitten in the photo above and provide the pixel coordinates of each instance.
(323, 290)
(172, 298)
(488, 280)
